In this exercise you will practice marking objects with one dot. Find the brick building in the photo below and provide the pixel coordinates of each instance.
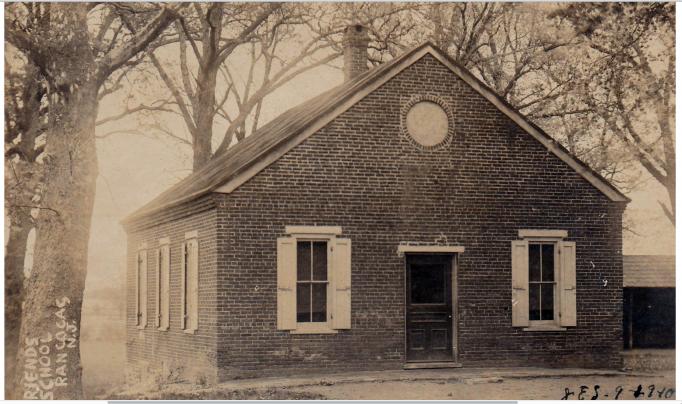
(407, 218)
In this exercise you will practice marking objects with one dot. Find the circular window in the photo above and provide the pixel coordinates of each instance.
(426, 121)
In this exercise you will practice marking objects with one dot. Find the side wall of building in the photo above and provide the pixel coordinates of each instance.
(173, 355)
(361, 173)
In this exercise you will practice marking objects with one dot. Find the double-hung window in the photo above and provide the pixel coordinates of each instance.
(541, 283)
(543, 280)
(313, 280)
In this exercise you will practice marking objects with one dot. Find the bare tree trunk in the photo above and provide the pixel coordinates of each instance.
(48, 361)
(15, 253)
(664, 113)
(670, 188)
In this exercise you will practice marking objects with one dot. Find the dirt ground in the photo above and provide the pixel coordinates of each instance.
(503, 388)
(539, 384)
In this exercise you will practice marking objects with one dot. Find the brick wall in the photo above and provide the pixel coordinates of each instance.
(358, 172)
(173, 354)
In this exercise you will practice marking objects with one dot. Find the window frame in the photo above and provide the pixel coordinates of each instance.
(317, 233)
(553, 237)
(556, 283)
(313, 281)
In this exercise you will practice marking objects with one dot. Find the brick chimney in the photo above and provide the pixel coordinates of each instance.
(355, 41)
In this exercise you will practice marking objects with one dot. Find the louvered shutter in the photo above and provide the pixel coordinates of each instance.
(138, 287)
(183, 286)
(286, 283)
(165, 287)
(341, 286)
(567, 315)
(194, 282)
(159, 259)
(519, 283)
(143, 286)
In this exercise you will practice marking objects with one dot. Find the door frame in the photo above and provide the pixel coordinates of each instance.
(454, 286)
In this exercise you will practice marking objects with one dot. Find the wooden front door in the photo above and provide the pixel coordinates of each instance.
(429, 308)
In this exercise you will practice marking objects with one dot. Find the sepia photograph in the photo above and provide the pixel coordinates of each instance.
(339, 200)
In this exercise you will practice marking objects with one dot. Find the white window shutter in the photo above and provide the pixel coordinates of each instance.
(341, 288)
(183, 286)
(286, 283)
(165, 287)
(519, 283)
(138, 286)
(157, 277)
(194, 288)
(143, 285)
(567, 314)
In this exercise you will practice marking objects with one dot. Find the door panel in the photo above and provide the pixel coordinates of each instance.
(429, 308)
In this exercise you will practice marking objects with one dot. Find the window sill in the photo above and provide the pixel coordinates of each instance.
(141, 327)
(313, 328)
(162, 328)
(190, 331)
(544, 328)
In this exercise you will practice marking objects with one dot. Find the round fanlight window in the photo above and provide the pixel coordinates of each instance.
(427, 122)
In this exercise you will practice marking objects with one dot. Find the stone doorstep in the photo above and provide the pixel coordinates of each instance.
(455, 375)
(431, 365)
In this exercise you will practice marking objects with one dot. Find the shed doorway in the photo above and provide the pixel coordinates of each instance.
(649, 318)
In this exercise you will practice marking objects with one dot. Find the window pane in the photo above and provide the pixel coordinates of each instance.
(547, 301)
(319, 302)
(427, 283)
(534, 262)
(548, 262)
(320, 260)
(303, 303)
(534, 302)
(303, 260)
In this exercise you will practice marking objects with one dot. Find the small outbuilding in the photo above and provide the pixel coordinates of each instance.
(649, 301)
(408, 218)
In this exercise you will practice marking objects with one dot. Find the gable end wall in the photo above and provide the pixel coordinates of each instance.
(359, 173)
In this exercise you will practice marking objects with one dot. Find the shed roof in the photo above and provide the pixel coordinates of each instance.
(649, 271)
(225, 172)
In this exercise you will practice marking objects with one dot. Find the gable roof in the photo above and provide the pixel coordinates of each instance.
(227, 171)
(649, 271)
